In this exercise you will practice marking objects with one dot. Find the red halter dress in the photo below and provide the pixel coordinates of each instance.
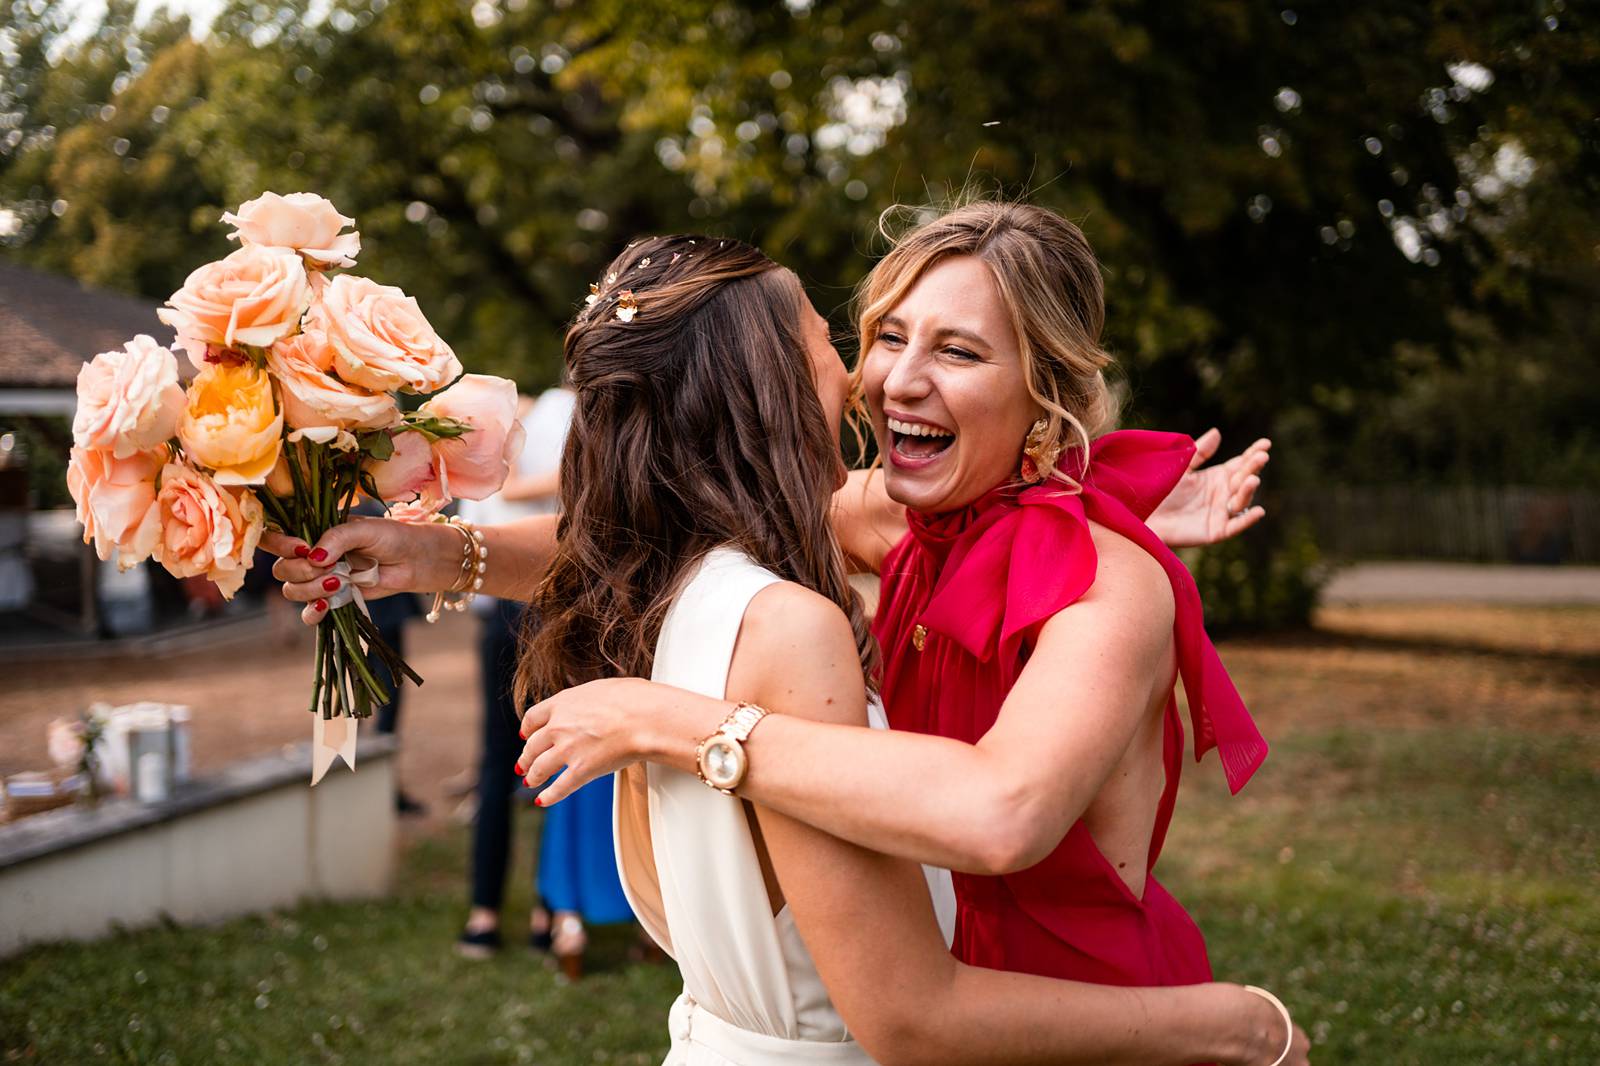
(964, 597)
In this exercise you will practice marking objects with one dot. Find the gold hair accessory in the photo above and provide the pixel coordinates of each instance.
(611, 277)
(627, 306)
(641, 264)
(1039, 454)
(594, 294)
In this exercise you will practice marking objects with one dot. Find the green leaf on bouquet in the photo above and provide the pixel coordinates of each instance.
(377, 444)
(437, 428)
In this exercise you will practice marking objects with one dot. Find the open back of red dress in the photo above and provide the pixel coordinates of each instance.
(964, 596)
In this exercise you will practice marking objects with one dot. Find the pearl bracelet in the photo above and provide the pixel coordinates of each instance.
(1288, 1044)
(474, 564)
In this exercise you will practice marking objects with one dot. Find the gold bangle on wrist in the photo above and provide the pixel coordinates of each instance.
(720, 760)
(474, 564)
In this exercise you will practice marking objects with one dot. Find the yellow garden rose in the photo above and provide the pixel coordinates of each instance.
(231, 424)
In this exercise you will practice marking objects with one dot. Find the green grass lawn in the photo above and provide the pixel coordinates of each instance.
(1416, 871)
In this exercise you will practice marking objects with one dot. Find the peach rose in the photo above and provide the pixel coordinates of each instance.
(302, 221)
(381, 341)
(231, 424)
(128, 400)
(206, 528)
(255, 296)
(475, 464)
(409, 472)
(116, 501)
(313, 397)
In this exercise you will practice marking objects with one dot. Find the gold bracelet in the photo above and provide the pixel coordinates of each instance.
(474, 564)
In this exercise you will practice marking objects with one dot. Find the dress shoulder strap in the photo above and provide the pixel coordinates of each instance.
(694, 652)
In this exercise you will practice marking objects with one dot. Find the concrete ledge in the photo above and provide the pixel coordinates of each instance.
(251, 838)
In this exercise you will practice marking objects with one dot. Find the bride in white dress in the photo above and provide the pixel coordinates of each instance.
(695, 549)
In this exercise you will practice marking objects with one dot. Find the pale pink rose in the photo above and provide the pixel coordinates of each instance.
(381, 341)
(407, 473)
(312, 396)
(206, 528)
(255, 296)
(231, 424)
(116, 501)
(421, 509)
(302, 221)
(128, 400)
(476, 464)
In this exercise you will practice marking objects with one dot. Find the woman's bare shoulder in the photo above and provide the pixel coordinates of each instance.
(1131, 592)
(797, 650)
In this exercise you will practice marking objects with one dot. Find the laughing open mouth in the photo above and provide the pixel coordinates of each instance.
(919, 440)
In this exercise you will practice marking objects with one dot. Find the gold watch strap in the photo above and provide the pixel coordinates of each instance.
(742, 721)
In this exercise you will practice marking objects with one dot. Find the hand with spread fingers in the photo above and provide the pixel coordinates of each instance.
(597, 728)
(411, 557)
(1212, 503)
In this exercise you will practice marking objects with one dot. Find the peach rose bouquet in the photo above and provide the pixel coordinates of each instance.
(294, 412)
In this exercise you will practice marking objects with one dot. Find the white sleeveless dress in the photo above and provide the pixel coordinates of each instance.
(751, 994)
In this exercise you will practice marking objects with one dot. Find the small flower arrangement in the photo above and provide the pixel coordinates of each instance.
(292, 415)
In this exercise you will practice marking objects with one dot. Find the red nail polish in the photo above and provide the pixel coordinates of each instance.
(319, 555)
(321, 605)
(301, 551)
(331, 584)
(538, 801)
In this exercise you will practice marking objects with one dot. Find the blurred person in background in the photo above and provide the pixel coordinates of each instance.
(577, 876)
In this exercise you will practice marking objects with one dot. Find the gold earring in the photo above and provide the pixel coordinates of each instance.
(1039, 454)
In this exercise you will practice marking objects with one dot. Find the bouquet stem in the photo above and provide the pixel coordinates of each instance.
(348, 642)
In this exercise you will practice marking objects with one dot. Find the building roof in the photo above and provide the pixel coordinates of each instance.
(51, 325)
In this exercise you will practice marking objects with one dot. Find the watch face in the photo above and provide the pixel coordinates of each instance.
(723, 763)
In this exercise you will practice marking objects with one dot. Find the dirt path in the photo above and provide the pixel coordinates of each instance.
(1463, 583)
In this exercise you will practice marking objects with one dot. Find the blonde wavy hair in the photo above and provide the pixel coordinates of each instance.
(1050, 283)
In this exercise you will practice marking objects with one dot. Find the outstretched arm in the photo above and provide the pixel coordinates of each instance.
(412, 557)
(1211, 504)
(898, 989)
(999, 805)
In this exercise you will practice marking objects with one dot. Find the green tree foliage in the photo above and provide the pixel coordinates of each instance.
(1366, 229)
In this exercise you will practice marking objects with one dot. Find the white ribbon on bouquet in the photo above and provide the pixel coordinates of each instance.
(336, 737)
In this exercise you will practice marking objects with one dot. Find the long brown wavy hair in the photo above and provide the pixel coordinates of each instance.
(697, 425)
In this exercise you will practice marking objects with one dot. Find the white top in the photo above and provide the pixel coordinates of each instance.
(545, 436)
(751, 994)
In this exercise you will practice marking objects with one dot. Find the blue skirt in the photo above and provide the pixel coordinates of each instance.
(577, 860)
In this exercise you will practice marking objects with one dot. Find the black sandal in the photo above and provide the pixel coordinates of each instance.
(478, 945)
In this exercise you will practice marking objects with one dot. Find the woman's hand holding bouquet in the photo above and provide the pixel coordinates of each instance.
(293, 413)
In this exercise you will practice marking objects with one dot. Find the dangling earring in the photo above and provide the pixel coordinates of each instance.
(1038, 454)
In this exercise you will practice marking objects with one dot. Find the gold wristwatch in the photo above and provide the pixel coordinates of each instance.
(720, 759)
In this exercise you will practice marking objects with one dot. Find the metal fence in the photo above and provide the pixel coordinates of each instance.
(1499, 524)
